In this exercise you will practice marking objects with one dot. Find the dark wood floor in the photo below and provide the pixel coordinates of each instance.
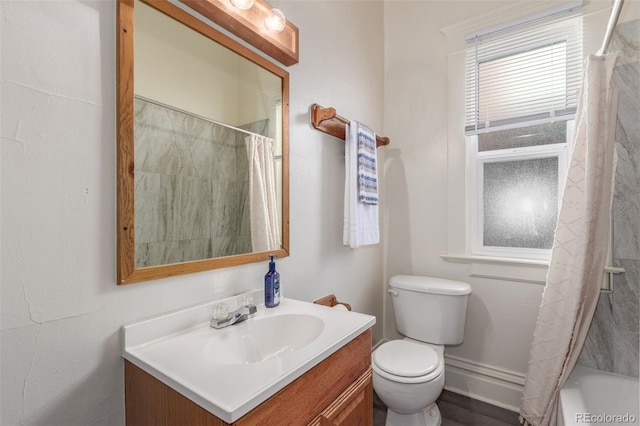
(458, 410)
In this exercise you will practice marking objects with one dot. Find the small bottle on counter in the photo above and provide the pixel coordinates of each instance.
(272, 285)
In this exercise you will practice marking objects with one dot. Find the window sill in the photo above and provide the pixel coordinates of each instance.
(513, 269)
(503, 268)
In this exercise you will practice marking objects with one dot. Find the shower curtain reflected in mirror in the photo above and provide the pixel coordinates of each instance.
(191, 186)
(265, 229)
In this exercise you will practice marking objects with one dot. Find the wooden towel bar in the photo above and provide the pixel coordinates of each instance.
(326, 120)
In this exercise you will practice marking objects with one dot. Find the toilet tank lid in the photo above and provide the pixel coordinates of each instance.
(430, 285)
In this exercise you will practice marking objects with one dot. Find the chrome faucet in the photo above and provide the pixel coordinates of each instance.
(239, 315)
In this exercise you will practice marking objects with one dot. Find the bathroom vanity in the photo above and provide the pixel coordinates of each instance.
(298, 363)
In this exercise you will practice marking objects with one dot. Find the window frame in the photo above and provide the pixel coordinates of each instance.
(475, 189)
(544, 31)
(592, 19)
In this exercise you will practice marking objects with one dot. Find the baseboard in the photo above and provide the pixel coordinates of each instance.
(486, 383)
(483, 382)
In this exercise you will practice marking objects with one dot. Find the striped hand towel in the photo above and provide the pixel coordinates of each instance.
(361, 225)
(367, 166)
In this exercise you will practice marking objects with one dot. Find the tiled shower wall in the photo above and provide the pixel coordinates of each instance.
(613, 342)
(191, 187)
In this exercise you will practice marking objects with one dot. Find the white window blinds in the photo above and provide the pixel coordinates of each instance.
(526, 74)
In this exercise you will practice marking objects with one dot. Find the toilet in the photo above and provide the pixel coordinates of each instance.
(408, 374)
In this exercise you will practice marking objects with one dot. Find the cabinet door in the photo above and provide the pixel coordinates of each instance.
(354, 407)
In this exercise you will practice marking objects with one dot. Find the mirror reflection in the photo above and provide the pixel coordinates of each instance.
(208, 148)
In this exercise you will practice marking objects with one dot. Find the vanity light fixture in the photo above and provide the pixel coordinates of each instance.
(275, 21)
(259, 24)
(241, 4)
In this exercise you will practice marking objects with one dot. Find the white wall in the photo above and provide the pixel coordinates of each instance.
(501, 315)
(61, 309)
(425, 183)
(341, 65)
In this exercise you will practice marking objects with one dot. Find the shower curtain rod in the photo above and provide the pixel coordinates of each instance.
(160, 104)
(613, 20)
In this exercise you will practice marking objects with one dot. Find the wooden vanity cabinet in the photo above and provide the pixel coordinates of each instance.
(337, 391)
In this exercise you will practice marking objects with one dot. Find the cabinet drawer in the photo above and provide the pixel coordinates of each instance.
(354, 407)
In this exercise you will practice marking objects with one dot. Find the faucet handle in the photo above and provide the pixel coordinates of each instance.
(220, 311)
(246, 300)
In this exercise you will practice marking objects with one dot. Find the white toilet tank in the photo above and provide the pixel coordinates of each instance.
(431, 310)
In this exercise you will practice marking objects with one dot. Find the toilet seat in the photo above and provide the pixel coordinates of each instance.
(406, 362)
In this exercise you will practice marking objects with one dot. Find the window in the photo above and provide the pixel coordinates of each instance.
(521, 93)
(517, 178)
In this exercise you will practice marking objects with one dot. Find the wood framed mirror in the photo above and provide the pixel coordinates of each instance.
(202, 149)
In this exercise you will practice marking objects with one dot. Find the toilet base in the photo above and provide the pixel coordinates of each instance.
(430, 416)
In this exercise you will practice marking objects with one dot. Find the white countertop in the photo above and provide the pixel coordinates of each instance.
(176, 349)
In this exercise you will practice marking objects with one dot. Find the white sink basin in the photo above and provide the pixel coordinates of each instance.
(232, 370)
(257, 340)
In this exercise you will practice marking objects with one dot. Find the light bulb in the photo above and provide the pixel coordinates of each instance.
(242, 4)
(275, 21)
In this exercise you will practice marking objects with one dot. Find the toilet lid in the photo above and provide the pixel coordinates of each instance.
(406, 359)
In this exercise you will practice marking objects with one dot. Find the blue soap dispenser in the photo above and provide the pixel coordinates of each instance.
(272, 285)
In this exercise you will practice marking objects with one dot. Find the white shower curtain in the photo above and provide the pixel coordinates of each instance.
(580, 247)
(265, 229)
